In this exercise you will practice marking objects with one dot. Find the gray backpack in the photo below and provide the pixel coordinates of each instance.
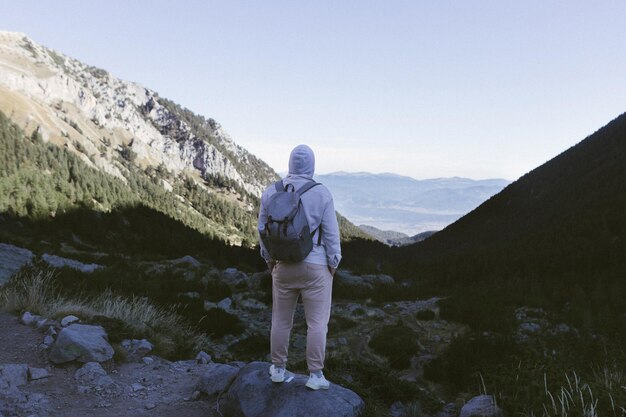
(287, 235)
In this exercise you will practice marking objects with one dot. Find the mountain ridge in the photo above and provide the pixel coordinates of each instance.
(404, 204)
(68, 101)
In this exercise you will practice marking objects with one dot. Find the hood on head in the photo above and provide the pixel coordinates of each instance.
(302, 161)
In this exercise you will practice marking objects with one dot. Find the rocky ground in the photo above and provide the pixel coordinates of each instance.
(36, 380)
(160, 388)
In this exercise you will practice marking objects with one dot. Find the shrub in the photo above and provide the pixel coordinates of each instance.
(217, 322)
(425, 315)
(398, 343)
(255, 347)
(468, 355)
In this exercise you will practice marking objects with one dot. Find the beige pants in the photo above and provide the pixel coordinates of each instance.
(315, 284)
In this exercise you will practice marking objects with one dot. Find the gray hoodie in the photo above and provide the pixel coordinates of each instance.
(320, 209)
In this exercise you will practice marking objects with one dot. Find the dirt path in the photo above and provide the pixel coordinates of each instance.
(161, 388)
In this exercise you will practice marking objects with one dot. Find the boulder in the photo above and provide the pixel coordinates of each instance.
(252, 394)
(380, 279)
(67, 320)
(345, 278)
(85, 343)
(217, 379)
(13, 375)
(12, 259)
(226, 304)
(37, 373)
(481, 406)
(29, 319)
(136, 349)
(203, 358)
(189, 260)
(60, 262)
(93, 378)
(234, 278)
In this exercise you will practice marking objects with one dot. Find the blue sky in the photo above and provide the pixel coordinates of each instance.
(420, 88)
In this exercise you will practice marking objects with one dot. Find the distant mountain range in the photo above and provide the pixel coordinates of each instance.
(392, 238)
(402, 204)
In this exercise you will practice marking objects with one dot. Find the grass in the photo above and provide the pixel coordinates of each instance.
(33, 290)
(576, 397)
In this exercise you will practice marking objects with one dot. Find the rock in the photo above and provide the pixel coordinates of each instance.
(37, 373)
(378, 279)
(217, 379)
(12, 259)
(203, 357)
(30, 319)
(59, 262)
(150, 405)
(48, 340)
(92, 377)
(253, 394)
(345, 278)
(136, 349)
(483, 406)
(67, 320)
(225, 304)
(250, 304)
(81, 342)
(255, 280)
(397, 409)
(13, 375)
(234, 278)
(42, 324)
(147, 360)
(449, 410)
(137, 387)
(189, 260)
(209, 305)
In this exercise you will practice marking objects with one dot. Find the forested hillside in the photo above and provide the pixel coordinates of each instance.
(556, 237)
(550, 248)
(42, 180)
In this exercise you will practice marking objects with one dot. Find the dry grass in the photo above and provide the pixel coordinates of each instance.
(576, 397)
(33, 291)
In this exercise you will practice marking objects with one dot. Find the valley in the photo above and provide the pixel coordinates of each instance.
(134, 214)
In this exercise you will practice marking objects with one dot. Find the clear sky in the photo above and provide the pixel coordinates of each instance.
(420, 88)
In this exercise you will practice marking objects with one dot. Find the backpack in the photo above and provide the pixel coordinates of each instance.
(287, 235)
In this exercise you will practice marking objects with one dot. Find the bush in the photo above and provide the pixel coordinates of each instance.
(425, 315)
(397, 343)
(255, 347)
(468, 355)
(217, 323)
(338, 324)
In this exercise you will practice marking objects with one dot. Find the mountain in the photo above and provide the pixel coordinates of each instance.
(99, 142)
(130, 134)
(555, 238)
(392, 238)
(404, 204)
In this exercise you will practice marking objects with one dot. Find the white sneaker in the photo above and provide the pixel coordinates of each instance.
(317, 382)
(280, 374)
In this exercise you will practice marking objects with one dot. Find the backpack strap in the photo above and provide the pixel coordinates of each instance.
(306, 187)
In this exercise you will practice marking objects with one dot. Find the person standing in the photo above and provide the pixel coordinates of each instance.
(310, 278)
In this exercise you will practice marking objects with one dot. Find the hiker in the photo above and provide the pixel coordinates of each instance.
(310, 277)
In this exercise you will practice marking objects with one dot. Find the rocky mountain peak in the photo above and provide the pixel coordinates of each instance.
(97, 115)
